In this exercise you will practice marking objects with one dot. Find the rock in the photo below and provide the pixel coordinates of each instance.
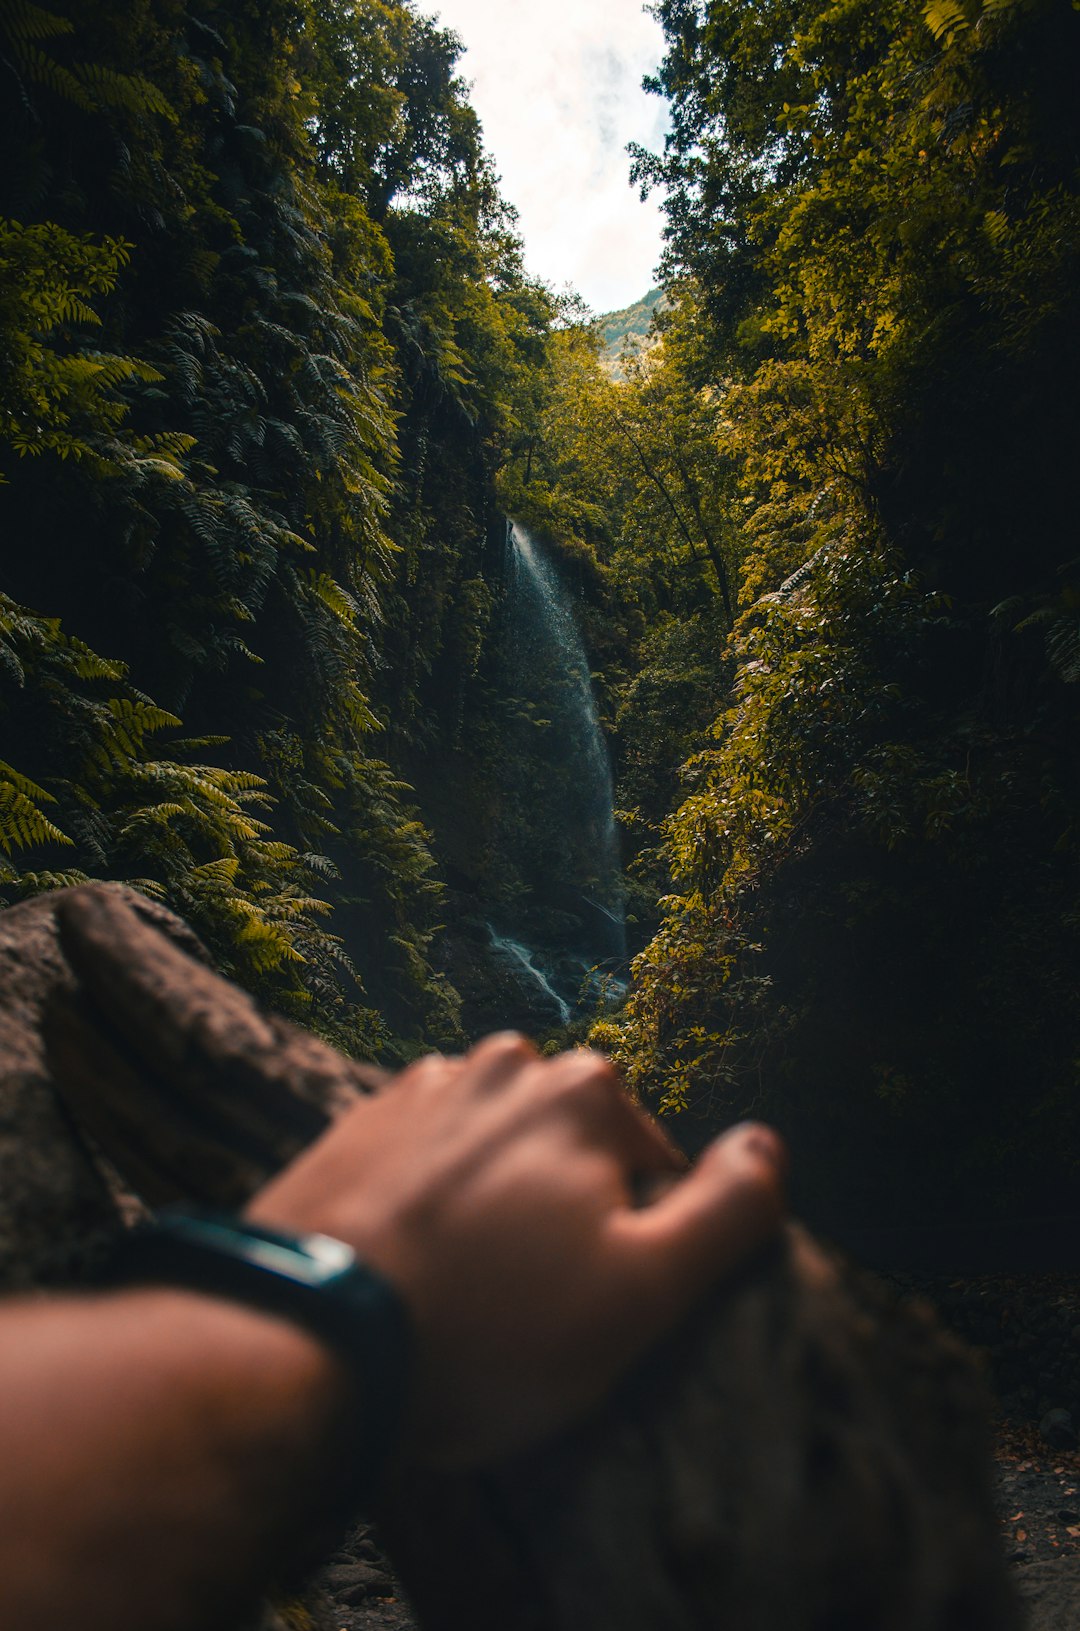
(352, 1582)
(56, 1202)
(1056, 1428)
(1050, 1594)
(131, 1073)
(727, 1484)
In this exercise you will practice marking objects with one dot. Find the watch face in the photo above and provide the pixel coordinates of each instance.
(313, 1280)
(313, 1260)
(332, 1256)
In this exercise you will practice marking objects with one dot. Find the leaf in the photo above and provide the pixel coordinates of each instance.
(945, 20)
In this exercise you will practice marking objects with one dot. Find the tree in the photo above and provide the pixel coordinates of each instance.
(879, 835)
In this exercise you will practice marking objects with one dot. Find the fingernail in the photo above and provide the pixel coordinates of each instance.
(766, 1143)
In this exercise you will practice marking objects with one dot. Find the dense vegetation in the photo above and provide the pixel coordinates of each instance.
(261, 316)
(865, 415)
(271, 370)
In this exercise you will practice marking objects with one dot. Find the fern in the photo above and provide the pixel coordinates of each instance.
(24, 20)
(22, 823)
(946, 19)
(130, 94)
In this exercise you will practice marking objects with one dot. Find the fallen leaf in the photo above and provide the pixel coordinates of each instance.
(1021, 1535)
(1073, 1529)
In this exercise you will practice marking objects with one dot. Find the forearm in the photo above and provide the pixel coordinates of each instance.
(174, 1451)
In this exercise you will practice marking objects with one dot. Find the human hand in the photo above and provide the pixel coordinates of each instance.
(497, 1192)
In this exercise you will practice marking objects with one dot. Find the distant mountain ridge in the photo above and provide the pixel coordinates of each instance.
(628, 329)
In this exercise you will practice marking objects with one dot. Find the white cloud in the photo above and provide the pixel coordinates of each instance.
(557, 86)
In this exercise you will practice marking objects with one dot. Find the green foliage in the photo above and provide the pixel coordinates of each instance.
(253, 267)
(58, 395)
(872, 231)
(182, 831)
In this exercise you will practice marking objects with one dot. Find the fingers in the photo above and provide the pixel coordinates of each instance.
(585, 1087)
(578, 1089)
(728, 1205)
(498, 1060)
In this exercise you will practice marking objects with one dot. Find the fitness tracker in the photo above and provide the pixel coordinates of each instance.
(311, 1279)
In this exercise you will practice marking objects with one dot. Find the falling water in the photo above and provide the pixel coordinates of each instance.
(542, 610)
(525, 959)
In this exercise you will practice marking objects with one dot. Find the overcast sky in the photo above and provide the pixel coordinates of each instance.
(557, 86)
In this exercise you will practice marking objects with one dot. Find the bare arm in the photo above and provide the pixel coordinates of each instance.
(161, 1451)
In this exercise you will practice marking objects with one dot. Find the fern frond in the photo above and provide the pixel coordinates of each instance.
(333, 596)
(23, 784)
(25, 21)
(39, 883)
(22, 824)
(123, 93)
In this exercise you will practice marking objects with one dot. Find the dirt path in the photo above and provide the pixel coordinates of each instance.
(1038, 1492)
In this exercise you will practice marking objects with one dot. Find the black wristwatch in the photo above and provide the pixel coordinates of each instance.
(312, 1279)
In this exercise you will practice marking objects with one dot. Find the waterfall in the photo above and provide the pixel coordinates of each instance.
(544, 626)
(524, 959)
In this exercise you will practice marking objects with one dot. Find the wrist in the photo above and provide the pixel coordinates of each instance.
(310, 1282)
(296, 1384)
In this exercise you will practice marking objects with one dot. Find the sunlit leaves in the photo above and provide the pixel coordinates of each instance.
(878, 207)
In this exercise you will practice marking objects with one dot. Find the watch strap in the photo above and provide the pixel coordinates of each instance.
(311, 1279)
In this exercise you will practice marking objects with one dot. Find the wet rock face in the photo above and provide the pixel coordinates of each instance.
(524, 982)
(494, 996)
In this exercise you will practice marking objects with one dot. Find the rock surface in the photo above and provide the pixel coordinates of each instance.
(1050, 1593)
(132, 1074)
(56, 1203)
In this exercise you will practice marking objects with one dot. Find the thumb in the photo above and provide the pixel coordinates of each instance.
(703, 1226)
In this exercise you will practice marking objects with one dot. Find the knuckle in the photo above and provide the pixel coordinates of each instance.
(602, 1068)
(567, 1089)
(504, 1045)
(582, 1076)
(750, 1143)
(431, 1068)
